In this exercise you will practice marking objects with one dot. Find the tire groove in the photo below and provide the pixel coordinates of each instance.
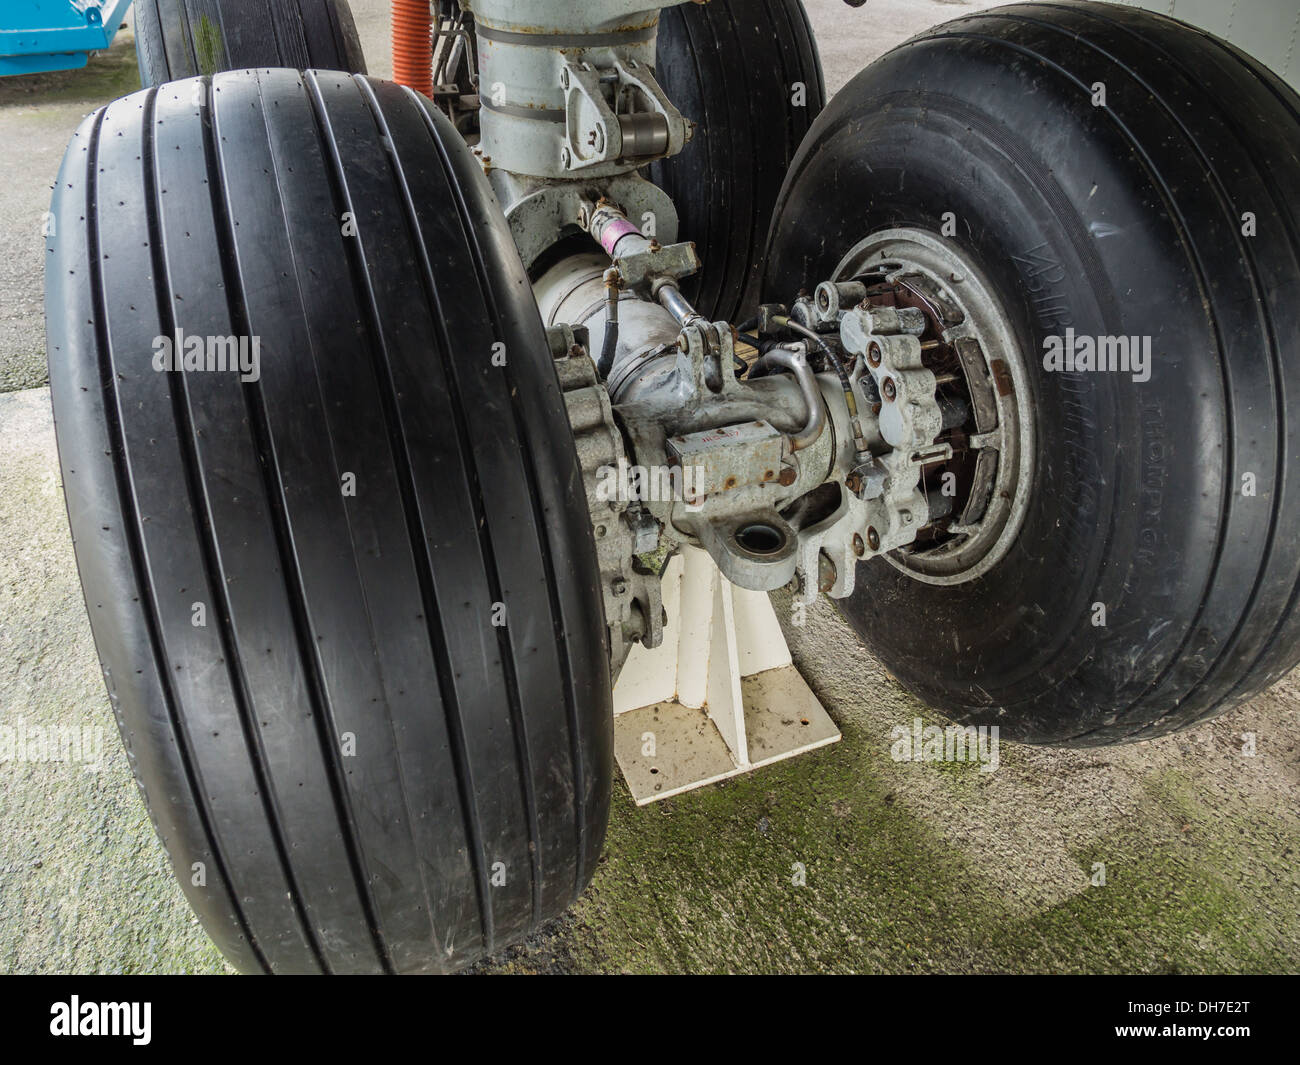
(361, 589)
(1176, 216)
(776, 10)
(268, 465)
(1287, 100)
(727, 275)
(712, 153)
(135, 545)
(752, 98)
(191, 50)
(505, 643)
(412, 520)
(205, 535)
(1274, 367)
(534, 495)
(668, 177)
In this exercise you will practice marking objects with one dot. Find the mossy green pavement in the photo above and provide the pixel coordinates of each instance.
(707, 886)
(1198, 877)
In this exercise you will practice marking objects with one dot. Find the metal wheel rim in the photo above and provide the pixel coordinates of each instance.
(908, 251)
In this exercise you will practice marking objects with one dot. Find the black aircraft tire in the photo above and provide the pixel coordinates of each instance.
(177, 39)
(347, 602)
(1154, 580)
(748, 74)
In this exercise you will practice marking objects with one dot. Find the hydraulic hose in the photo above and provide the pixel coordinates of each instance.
(610, 345)
(413, 45)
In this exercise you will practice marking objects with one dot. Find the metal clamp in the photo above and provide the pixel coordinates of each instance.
(617, 113)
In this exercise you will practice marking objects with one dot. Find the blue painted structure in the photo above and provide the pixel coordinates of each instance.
(38, 35)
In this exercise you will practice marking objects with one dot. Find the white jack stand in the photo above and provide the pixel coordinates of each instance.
(718, 697)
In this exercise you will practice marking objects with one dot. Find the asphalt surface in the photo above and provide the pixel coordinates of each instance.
(909, 866)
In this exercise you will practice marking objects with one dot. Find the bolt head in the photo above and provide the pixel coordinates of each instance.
(826, 575)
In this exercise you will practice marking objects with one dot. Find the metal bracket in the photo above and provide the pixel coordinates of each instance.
(636, 121)
(640, 269)
(542, 212)
(633, 611)
(719, 697)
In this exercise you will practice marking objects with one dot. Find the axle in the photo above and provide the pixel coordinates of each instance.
(789, 468)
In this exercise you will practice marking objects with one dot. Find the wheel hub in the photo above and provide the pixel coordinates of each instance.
(978, 496)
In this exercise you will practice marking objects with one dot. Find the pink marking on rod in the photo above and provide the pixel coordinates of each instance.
(614, 232)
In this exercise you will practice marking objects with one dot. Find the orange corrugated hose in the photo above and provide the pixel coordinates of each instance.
(412, 45)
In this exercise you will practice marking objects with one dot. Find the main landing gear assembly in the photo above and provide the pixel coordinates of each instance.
(395, 424)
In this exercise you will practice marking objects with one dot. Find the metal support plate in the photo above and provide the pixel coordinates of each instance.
(719, 697)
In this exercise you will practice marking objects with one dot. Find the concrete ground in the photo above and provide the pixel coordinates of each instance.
(911, 867)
